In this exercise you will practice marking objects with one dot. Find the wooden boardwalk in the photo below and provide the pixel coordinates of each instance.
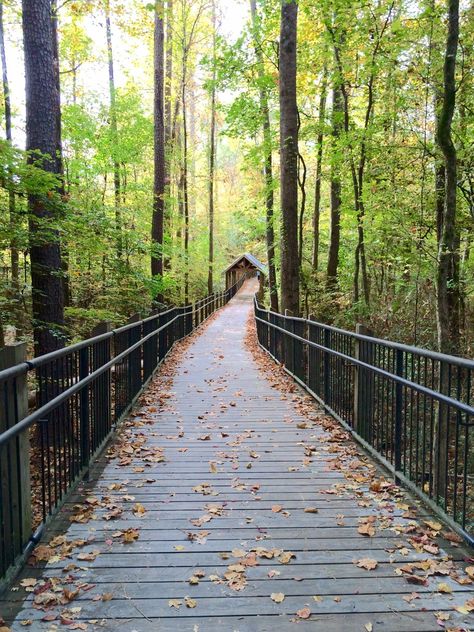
(232, 503)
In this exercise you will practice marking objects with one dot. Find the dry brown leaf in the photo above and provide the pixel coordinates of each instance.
(88, 557)
(139, 510)
(190, 602)
(367, 563)
(286, 557)
(277, 597)
(304, 613)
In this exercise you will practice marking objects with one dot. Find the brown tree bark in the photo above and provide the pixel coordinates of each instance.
(267, 163)
(59, 147)
(41, 141)
(169, 72)
(212, 155)
(336, 201)
(184, 177)
(167, 220)
(289, 157)
(447, 281)
(319, 164)
(159, 148)
(114, 129)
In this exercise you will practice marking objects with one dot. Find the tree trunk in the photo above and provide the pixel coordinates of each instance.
(59, 147)
(167, 220)
(184, 176)
(159, 150)
(212, 152)
(267, 164)
(302, 171)
(41, 141)
(448, 254)
(169, 72)
(114, 129)
(289, 157)
(319, 164)
(335, 230)
(13, 218)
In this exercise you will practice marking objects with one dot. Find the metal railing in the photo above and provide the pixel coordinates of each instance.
(82, 393)
(412, 408)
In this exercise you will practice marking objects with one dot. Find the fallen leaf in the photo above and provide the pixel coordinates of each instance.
(88, 557)
(174, 603)
(304, 613)
(277, 597)
(311, 510)
(286, 557)
(367, 563)
(139, 510)
(276, 508)
(190, 603)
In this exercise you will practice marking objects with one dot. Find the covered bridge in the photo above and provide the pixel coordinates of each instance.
(245, 264)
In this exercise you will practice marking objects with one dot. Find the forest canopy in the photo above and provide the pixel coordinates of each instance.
(147, 144)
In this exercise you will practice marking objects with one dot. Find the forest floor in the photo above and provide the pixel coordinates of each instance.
(231, 501)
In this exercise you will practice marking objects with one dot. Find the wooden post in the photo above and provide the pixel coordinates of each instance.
(15, 457)
(363, 385)
(101, 328)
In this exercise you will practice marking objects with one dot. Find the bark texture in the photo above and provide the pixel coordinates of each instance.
(212, 157)
(319, 164)
(267, 164)
(448, 302)
(159, 146)
(335, 230)
(289, 157)
(114, 129)
(41, 141)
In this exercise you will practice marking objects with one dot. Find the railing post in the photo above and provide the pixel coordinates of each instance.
(398, 430)
(363, 381)
(289, 342)
(15, 485)
(327, 366)
(84, 406)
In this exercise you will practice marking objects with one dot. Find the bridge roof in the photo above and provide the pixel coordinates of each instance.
(251, 259)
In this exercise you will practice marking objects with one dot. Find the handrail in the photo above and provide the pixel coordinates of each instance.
(83, 392)
(434, 355)
(396, 378)
(41, 412)
(412, 409)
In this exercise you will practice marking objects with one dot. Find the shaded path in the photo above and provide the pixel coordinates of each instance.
(233, 503)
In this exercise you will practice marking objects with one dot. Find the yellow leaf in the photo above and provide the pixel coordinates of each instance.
(190, 603)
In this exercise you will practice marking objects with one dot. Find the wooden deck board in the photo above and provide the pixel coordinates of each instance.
(258, 454)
